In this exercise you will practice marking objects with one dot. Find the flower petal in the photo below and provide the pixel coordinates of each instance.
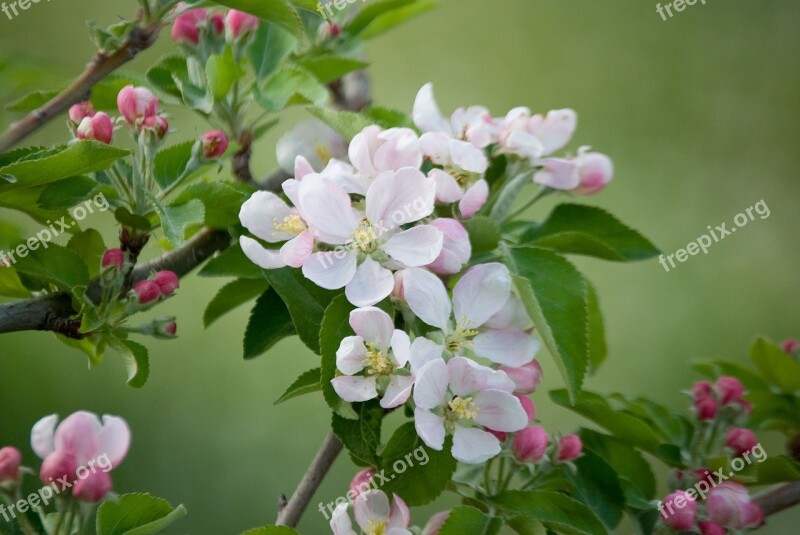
(371, 507)
(427, 297)
(426, 113)
(436, 146)
(555, 130)
(401, 347)
(76, 436)
(417, 246)
(447, 188)
(398, 197)
(373, 325)
(422, 352)
(481, 293)
(525, 144)
(399, 149)
(297, 250)
(473, 445)
(558, 173)
(431, 384)
(399, 516)
(468, 157)
(302, 167)
(370, 284)
(259, 213)
(361, 149)
(42, 436)
(474, 198)
(500, 411)
(114, 439)
(508, 347)
(350, 355)
(468, 377)
(512, 316)
(398, 391)
(355, 388)
(340, 521)
(328, 209)
(430, 428)
(331, 270)
(260, 255)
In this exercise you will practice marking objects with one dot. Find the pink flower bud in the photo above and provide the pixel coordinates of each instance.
(215, 143)
(740, 440)
(329, 29)
(530, 408)
(706, 408)
(530, 444)
(711, 528)
(218, 23)
(113, 258)
(157, 124)
(730, 389)
(136, 103)
(729, 504)
(502, 436)
(78, 112)
(10, 459)
(702, 389)
(184, 30)
(456, 249)
(790, 346)
(167, 281)
(596, 171)
(362, 482)
(93, 488)
(240, 24)
(678, 511)
(171, 329)
(398, 292)
(569, 448)
(59, 464)
(526, 377)
(99, 128)
(146, 291)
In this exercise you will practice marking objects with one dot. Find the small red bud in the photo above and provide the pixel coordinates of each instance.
(146, 291)
(167, 281)
(569, 448)
(113, 258)
(215, 143)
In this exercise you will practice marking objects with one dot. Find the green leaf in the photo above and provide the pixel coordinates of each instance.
(380, 16)
(671, 427)
(305, 384)
(271, 530)
(634, 472)
(555, 510)
(555, 296)
(334, 328)
(269, 323)
(10, 285)
(136, 360)
(776, 366)
(89, 246)
(279, 12)
(163, 76)
(305, 300)
(270, 46)
(171, 162)
(346, 123)
(388, 117)
(527, 526)
(483, 234)
(422, 481)
(136, 514)
(598, 350)
(470, 520)
(56, 265)
(177, 219)
(361, 437)
(330, 67)
(27, 201)
(33, 100)
(591, 231)
(231, 263)
(222, 202)
(222, 72)
(597, 485)
(289, 86)
(231, 296)
(67, 193)
(125, 217)
(772, 470)
(60, 162)
(105, 92)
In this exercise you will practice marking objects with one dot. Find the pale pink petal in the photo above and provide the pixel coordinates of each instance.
(512, 316)
(417, 246)
(558, 174)
(467, 377)
(350, 355)
(331, 270)
(114, 439)
(371, 506)
(398, 531)
(361, 149)
(422, 352)
(340, 521)
(259, 213)
(355, 388)
(370, 284)
(345, 177)
(507, 347)
(399, 516)
(291, 188)
(474, 446)
(468, 157)
(76, 435)
(447, 188)
(430, 428)
(524, 144)
(436, 146)
(426, 113)
(401, 347)
(435, 523)
(400, 149)
(555, 130)
(301, 167)
(260, 255)
(42, 436)
(398, 391)
(427, 297)
(373, 325)
(397, 198)
(297, 250)
(456, 247)
(481, 293)
(431, 384)
(500, 411)
(474, 198)
(328, 209)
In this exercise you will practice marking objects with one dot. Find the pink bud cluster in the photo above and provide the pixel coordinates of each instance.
(728, 506)
(192, 25)
(726, 392)
(139, 107)
(162, 285)
(91, 125)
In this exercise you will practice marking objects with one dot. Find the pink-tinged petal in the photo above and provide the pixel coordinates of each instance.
(507, 347)
(473, 445)
(297, 250)
(512, 316)
(302, 167)
(397, 198)
(555, 130)
(500, 411)
(398, 531)
(93, 487)
(371, 507)
(340, 521)
(371, 283)
(76, 435)
(596, 171)
(430, 428)
(558, 173)
(467, 377)
(447, 188)
(422, 352)
(373, 325)
(328, 209)
(114, 439)
(361, 149)
(400, 149)
(427, 297)
(350, 355)
(431, 385)
(331, 270)
(436, 146)
(345, 177)
(398, 391)
(355, 388)
(525, 144)
(456, 247)
(399, 516)
(401, 347)
(426, 113)
(468, 157)
(42, 436)
(415, 247)
(291, 188)
(259, 214)
(474, 199)
(260, 255)
(481, 293)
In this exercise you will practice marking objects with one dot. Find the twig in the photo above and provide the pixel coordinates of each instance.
(777, 498)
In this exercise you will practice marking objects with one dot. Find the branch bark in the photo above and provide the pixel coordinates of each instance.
(778, 498)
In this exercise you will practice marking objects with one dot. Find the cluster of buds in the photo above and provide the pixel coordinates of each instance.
(139, 108)
(162, 285)
(204, 31)
(728, 506)
(89, 124)
(727, 393)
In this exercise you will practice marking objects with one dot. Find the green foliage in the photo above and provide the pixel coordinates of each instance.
(170, 163)
(776, 366)
(470, 520)
(291, 85)
(137, 362)
(598, 350)
(231, 263)
(56, 265)
(483, 234)
(328, 68)
(558, 512)
(382, 15)
(90, 247)
(221, 202)
(279, 12)
(136, 514)
(270, 46)
(596, 484)
(222, 71)
(11, 285)
(269, 323)
(231, 296)
(176, 220)
(334, 328)
(307, 383)
(346, 123)
(67, 193)
(361, 437)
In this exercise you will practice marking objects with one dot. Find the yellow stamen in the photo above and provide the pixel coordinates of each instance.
(462, 409)
(365, 237)
(292, 224)
(376, 363)
(375, 527)
(323, 152)
(461, 338)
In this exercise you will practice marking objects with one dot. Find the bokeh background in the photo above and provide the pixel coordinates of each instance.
(700, 114)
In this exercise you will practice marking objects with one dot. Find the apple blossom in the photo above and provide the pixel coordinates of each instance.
(167, 282)
(146, 291)
(706, 408)
(459, 397)
(214, 144)
(729, 505)
(98, 127)
(374, 151)
(710, 528)
(157, 124)
(474, 124)
(361, 482)
(315, 141)
(435, 523)
(730, 389)
(740, 440)
(790, 346)
(702, 389)
(113, 258)
(456, 248)
(136, 103)
(535, 136)
(587, 173)
(530, 408)
(10, 460)
(374, 515)
(530, 444)
(93, 487)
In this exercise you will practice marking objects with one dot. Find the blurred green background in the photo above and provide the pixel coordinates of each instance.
(700, 114)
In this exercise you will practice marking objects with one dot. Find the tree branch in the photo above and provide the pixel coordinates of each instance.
(776, 499)
(290, 514)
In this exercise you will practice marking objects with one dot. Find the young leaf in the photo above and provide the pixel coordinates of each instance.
(346, 123)
(177, 219)
(231, 263)
(270, 46)
(26, 201)
(66, 193)
(597, 485)
(171, 162)
(361, 437)
(334, 328)
(598, 350)
(290, 85)
(591, 231)
(269, 323)
(776, 366)
(222, 72)
(483, 234)
(329, 67)
(136, 360)
(388, 117)
(279, 12)
(136, 514)
(89, 246)
(470, 520)
(33, 100)
(10, 285)
(222, 202)
(378, 14)
(231, 296)
(634, 472)
(162, 76)
(558, 512)
(56, 265)
(305, 384)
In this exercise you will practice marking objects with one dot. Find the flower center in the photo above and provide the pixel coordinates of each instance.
(461, 338)
(365, 237)
(292, 224)
(323, 152)
(461, 409)
(376, 363)
(376, 527)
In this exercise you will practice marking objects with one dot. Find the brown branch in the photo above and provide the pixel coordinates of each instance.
(101, 66)
(776, 499)
(290, 514)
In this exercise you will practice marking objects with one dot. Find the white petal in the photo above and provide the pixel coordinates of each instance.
(555, 130)
(431, 385)
(468, 157)
(400, 149)
(430, 428)
(401, 347)
(436, 146)
(343, 175)
(512, 316)
(422, 352)
(397, 198)
(481, 293)
(355, 388)
(474, 198)
(350, 355)
(427, 297)
(417, 246)
(399, 515)
(259, 213)
(42, 436)
(340, 521)
(525, 144)
(331, 270)
(426, 113)
(500, 411)
(371, 506)
(297, 250)
(398, 391)
(302, 167)
(114, 439)
(328, 209)
(260, 255)
(370, 284)
(362, 147)
(508, 347)
(468, 377)
(473, 445)
(558, 174)
(291, 188)
(447, 188)
(373, 325)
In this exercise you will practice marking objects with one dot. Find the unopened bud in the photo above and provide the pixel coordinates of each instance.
(97, 128)
(529, 444)
(78, 112)
(569, 448)
(167, 282)
(214, 144)
(113, 258)
(10, 459)
(146, 292)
